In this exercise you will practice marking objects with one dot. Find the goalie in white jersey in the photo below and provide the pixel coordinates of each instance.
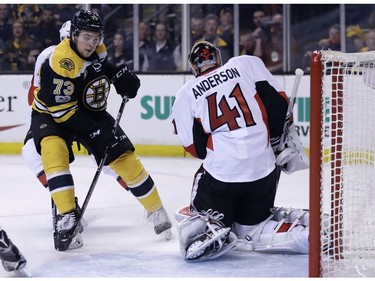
(227, 116)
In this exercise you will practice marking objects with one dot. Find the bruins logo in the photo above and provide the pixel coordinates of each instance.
(96, 94)
(67, 64)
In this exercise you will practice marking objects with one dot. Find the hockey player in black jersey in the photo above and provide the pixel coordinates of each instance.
(10, 256)
(71, 102)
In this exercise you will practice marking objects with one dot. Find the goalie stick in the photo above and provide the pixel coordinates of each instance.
(292, 100)
(99, 170)
(289, 112)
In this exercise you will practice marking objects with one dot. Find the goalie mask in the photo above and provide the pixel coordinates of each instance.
(86, 20)
(65, 30)
(203, 54)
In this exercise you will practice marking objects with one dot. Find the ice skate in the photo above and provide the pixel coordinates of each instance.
(10, 256)
(67, 237)
(214, 241)
(161, 221)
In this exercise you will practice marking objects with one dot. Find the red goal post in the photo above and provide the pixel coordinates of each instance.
(342, 164)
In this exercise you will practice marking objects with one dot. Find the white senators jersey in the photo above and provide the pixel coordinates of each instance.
(35, 81)
(225, 101)
(40, 59)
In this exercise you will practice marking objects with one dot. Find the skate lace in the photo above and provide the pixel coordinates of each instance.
(214, 217)
(66, 222)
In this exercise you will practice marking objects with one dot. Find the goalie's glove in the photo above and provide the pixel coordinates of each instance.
(293, 156)
(126, 82)
(279, 143)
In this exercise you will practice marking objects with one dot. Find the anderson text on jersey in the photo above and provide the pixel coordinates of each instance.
(214, 80)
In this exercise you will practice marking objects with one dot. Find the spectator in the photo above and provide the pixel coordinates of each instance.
(35, 50)
(197, 28)
(225, 29)
(160, 54)
(17, 49)
(272, 49)
(116, 17)
(28, 14)
(177, 57)
(248, 43)
(357, 35)
(63, 13)
(259, 17)
(357, 38)
(211, 23)
(144, 44)
(47, 31)
(117, 54)
(333, 42)
(370, 41)
(5, 23)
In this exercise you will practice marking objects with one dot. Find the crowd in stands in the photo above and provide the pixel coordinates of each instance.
(26, 29)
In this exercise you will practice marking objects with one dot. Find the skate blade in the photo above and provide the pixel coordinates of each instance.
(77, 242)
(23, 272)
(84, 222)
(167, 234)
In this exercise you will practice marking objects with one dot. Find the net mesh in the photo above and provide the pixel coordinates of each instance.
(348, 165)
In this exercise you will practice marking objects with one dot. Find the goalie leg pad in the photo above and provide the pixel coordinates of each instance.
(292, 215)
(294, 241)
(183, 213)
(204, 237)
(285, 231)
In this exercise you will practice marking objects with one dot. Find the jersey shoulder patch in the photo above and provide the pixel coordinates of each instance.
(65, 62)
(101, 51)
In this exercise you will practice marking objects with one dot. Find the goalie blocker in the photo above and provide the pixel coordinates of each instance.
(202, 236)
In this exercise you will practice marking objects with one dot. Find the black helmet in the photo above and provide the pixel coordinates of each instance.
(86, 20)
(203, 53)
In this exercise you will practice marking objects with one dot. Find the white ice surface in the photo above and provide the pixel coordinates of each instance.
(117, 240)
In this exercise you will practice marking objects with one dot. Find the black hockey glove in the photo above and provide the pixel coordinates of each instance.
(126, 82)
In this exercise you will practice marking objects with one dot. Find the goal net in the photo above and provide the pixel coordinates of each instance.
(342, 164)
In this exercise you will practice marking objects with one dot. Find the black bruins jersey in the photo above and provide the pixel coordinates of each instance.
(69, 82)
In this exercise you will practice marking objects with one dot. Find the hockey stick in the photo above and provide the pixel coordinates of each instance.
(54, 224)
(292, 100)
(100, 167)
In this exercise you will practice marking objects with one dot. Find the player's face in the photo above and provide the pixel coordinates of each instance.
(87, 42)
